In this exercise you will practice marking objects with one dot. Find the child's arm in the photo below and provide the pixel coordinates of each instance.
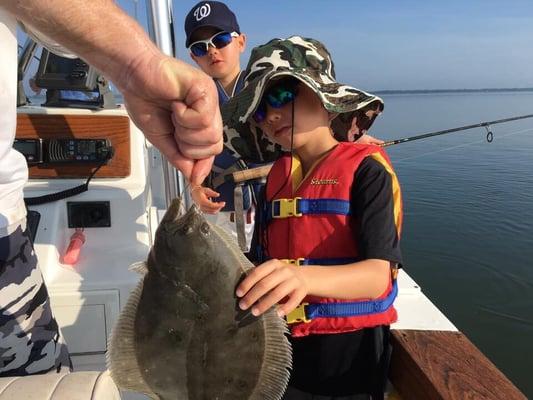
(275, 280)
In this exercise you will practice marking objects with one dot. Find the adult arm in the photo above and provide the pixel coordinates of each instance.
(174, 104)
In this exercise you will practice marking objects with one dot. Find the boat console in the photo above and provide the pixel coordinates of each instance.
(117, 215)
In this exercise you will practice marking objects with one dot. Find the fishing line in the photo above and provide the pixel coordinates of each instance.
(460, 145)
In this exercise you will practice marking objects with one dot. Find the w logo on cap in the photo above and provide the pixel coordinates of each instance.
(202, 12)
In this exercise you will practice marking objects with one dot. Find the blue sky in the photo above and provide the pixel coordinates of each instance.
(395, 44)
(400, 44)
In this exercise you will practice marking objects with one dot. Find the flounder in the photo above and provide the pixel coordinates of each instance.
(182, 336)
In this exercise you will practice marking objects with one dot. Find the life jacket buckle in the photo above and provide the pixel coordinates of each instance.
(298, 315)
(286, 207)
(294, 261)
(394, 273)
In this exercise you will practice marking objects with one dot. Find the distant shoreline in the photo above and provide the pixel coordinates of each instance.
(37, 99)
(434, 91)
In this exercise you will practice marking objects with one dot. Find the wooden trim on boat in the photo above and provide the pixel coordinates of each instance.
(429, 365)
(52, 126)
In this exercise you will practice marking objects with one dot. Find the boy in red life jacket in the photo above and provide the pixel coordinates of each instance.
(330, 223)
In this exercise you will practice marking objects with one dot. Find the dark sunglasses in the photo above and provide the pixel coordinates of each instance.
(276, 97)
(218, 40)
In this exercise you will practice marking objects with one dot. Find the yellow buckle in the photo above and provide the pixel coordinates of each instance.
(294, 261)
(287, 208)
(297, 315)
(394, 273)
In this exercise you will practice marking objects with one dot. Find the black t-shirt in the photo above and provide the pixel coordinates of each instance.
(354, 362)
(372, 208)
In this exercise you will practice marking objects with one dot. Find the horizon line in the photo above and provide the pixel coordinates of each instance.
(407, 91)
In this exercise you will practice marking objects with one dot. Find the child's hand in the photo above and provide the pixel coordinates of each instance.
(271, 282)
(367, 139)
(201, 196)
(33, 86)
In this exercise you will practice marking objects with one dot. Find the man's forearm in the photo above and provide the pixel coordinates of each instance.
(97, 31)
(172, 103)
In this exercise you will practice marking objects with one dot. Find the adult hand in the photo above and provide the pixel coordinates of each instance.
(201, 196)
(176, 107)
(367, 139)
(271, 282)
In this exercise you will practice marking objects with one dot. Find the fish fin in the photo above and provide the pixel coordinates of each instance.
(121, 359)
(140, 267)
(244, 317)
(247, 265)
(274, 376)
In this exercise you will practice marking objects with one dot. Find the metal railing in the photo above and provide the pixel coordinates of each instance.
(161, 30)
(28, 51)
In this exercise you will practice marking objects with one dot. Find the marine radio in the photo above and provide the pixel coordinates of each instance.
(51, 151)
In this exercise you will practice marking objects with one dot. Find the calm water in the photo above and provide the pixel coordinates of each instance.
(468, 233)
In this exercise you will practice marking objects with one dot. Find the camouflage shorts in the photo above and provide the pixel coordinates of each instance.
(30, 339)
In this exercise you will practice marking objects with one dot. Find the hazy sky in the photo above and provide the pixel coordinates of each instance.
(395, 44)
(400, 44)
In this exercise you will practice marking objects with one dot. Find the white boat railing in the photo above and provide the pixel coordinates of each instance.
(27, 53)
(160, 28)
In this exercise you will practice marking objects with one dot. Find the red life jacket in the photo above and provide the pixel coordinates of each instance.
(325, 230)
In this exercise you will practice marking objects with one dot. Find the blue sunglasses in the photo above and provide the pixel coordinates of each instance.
(276, 97)
(218, 40)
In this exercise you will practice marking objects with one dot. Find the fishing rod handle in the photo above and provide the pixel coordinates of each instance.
(249, 174)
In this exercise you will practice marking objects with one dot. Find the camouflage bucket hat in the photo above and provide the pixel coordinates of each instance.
(309, 61)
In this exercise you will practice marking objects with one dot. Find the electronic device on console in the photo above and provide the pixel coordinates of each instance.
(52, 151)
(72, 83)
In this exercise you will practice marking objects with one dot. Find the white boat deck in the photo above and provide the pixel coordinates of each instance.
(415, 310)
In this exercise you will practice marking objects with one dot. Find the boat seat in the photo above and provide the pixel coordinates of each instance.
(83, 385)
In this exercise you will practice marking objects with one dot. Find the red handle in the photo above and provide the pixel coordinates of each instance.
(73, 251)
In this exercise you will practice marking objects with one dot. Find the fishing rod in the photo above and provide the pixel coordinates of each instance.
(486, 125)
(261, 172)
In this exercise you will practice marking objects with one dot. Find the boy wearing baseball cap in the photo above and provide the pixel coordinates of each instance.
(215, 43)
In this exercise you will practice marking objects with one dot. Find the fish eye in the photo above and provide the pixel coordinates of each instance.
(204, 228)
